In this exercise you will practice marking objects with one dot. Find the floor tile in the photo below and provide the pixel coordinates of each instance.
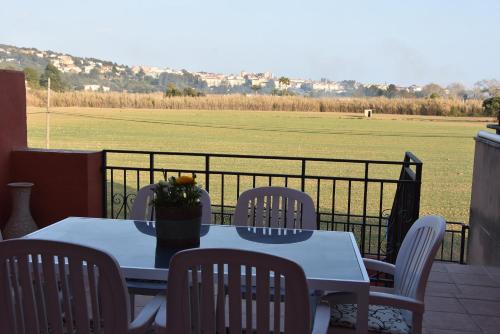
(446, 304)
(449, 321)
(439, 276)
(474, 279)
(489, 325)
(445, 331)
(481, 307)
(465, 269)
(495, 277)
(492, 270)
(441, 289)
(478, 292)
(439, 267)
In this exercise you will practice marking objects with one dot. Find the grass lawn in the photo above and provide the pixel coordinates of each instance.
(445, 146)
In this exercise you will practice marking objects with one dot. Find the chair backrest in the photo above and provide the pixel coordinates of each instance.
(275, 207)
(205, 293)
(55, 287)
(143, 210)
(416, 256)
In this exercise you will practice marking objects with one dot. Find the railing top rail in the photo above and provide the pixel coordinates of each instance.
(277, 175)
(413, 157)
(415, 161)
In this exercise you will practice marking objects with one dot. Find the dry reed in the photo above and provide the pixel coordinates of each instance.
(405, 106)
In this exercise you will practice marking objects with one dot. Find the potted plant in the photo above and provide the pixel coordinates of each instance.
(178, 211)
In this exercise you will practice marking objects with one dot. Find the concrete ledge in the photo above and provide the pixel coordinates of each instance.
(488, 138)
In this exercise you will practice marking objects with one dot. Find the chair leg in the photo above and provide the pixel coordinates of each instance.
(132, 305)
(416, 323)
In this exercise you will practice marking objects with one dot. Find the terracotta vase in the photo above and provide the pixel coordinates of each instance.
(20, 222)
(178, 227)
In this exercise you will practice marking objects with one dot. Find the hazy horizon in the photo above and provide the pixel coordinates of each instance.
(371, 42)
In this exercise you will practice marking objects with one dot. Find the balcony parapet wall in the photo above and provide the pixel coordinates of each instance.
(67, 183)
(12, 130)
(484, 244)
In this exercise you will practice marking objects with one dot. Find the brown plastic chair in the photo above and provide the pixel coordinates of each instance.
(202, 300)
(275, 207)
(56, 287)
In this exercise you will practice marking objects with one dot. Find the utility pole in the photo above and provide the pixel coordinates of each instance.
(47, 118)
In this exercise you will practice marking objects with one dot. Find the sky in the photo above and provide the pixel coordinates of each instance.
(386, 41)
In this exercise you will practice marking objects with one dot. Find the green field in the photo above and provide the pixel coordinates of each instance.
(445, 146)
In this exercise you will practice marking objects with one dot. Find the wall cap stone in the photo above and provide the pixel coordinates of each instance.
(42, 150)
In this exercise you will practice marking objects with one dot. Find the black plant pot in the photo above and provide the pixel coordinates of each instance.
(178, 227)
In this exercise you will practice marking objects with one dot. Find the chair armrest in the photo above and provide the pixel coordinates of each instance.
(376, 265)
(145, 318)
(397, 301)
(321, 319)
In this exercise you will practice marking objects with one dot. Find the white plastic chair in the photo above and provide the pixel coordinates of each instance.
(57, 287)
(143, 210)
(204, 295)
(403, 305)
(275, 207)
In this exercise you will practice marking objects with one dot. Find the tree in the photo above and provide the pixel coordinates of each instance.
(188, 91)
(56, 83)
(491, 87)
(492, 106)
(32, 77)
(392, 91)
(373, 90)
(172, 90)
(457, 89)
(284, 82)
(141, 74)
(95, 73)
(433, 90)
(256, 88)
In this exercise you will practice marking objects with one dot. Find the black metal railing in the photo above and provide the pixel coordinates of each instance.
(365, 197)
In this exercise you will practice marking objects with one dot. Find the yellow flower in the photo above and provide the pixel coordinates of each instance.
(184, 180)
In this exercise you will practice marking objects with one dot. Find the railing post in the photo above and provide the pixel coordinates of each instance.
(303, 175)
(365, 198)
(104, 185)
(418, 179)
(207, 173)
(462, 243)
(151, 168)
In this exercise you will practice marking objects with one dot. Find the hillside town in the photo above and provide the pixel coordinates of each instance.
(93, 74)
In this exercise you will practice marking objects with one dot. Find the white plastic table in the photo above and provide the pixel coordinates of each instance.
(331, 260)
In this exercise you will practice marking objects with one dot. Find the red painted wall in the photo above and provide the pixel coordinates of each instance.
(67, 183)
(13, 134)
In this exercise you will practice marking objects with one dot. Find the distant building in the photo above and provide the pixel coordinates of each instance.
(87, 69)
(327, 86)
(96, 88)
(235, 80)
(415, 88)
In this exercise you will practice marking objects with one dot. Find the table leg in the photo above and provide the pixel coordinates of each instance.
(362, 315)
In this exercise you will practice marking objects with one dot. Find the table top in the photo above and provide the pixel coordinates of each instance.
(324, 255)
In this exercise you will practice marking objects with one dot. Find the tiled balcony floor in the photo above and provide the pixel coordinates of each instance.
(462, 299)
(459, 299)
